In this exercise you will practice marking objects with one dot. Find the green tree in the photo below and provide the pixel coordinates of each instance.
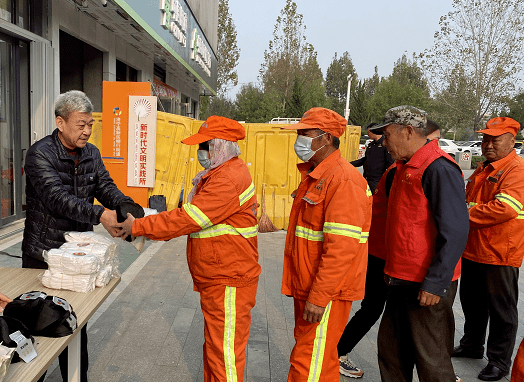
(290, 55)
(228, 52)
(254, 106)
(484, 40)
(360, 114)
(337, 81)
(514, 108)
(296, 105)
(405, 86)
(219, 105)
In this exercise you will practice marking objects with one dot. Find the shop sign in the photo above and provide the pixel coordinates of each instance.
(142, 141)
(174, 19)
(200, 53)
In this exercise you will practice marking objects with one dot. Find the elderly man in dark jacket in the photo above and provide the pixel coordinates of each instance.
(64, 175)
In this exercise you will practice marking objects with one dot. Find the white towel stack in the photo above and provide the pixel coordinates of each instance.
(86, 260)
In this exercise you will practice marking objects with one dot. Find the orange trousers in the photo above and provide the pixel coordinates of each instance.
(314, 357)
(517, 373)
(227, 316)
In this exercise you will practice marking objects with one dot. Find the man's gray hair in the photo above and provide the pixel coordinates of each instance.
(71, 101)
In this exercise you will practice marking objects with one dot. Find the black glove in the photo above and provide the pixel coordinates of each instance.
(128, 207)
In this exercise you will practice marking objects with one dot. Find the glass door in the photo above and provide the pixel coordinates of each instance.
(14, 126)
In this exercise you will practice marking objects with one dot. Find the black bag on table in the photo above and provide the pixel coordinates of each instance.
(9, 325)
(43, 315)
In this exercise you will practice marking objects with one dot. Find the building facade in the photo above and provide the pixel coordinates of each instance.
(48, 47)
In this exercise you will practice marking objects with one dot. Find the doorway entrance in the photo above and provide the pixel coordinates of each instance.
(14, 126)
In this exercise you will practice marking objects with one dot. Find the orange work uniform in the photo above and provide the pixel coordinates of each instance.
(495, 195)
(325, 261)
(222, 257)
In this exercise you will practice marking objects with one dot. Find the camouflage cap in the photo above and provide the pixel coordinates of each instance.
(404, 115)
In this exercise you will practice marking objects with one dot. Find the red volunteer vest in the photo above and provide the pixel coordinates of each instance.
(377, 241)
(410, 227)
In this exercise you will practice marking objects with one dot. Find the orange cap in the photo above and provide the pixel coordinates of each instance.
(501, 125)
(217, 127)
(323, 119)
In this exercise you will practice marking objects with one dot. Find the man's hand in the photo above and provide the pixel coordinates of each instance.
(427, 299)
(108, 220)
(126, 227)
(313, 313)
(4, 300)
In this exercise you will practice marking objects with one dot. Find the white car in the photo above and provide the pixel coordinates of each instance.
(448, 146)
(474, 147)
(518, 147)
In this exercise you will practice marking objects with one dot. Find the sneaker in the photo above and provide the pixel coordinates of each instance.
(348, 368)
(457, 378)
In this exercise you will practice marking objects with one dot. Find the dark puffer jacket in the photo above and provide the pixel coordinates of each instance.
(60, 195)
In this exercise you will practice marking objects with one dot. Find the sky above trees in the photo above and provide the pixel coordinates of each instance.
(374, 32)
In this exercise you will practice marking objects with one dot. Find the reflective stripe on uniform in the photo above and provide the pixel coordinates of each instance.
(509, 200)
(319, 345)
(230, 317)
(308, 234)
(343, 230)
(197, 215)
(225, 229)
(471, 204)
(368, 191)
(247, 194)
(364, 237)
(520, 215)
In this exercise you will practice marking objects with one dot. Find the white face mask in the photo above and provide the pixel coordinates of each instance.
(303, 147)
(203, 158)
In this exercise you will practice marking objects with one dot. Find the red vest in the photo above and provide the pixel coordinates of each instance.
(410, 227)
(377, 241)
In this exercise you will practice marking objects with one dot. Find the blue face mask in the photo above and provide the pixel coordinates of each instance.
(203, 158)
(303, 147)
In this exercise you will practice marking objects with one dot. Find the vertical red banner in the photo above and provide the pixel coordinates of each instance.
(115, 121)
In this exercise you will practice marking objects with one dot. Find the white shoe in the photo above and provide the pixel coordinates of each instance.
(349, 369)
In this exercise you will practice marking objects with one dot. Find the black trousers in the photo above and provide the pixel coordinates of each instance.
(370, 309)
(29, 262)
(410, 334)
(490, 293)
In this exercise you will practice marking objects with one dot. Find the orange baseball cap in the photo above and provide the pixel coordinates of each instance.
(217, 127)
(501, 125)
(323, 119)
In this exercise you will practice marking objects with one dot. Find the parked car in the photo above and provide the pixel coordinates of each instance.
(518, 146)
(474, 147)
(448, 146)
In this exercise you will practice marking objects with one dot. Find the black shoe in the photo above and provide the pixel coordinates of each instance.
(459, 351)
(492, 373)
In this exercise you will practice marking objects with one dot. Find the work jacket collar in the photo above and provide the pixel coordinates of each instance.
(321, 168)
(501, 162)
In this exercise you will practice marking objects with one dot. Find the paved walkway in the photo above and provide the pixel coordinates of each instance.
(151, 327)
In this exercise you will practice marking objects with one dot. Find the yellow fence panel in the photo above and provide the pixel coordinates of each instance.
(172, 157)
(96, 134)
(267, 150)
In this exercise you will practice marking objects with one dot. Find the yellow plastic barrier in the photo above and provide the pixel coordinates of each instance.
(267, 150)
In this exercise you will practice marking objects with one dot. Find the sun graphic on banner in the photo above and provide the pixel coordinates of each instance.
(142, 108)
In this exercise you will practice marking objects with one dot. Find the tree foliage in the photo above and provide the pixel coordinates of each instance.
(218, 105)
(405, 86)
(228, 52)
(337, 81)
(514, 108)
(289, 55)
(483, 40)
(253, 105)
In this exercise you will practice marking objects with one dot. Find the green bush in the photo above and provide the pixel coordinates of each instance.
(475, 159)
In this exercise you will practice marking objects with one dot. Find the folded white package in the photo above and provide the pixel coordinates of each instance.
(86, 260)
(72, 261)
(76, 283)
(92, 237)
